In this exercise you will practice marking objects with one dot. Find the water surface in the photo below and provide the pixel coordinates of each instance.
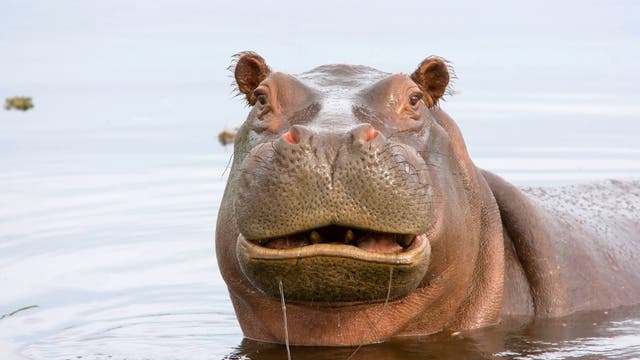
(111, 184)
(106, 235)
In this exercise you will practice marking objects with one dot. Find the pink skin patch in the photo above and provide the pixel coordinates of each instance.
(369, 241)
(290, 137)
(287, 242)
(371, 134)
(379, 243)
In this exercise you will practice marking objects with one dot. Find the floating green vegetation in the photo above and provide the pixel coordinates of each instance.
(19, 310)
(227, 137)
(21, 103)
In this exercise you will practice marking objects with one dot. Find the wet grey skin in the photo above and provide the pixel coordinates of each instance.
(354, 211)
(334, 199)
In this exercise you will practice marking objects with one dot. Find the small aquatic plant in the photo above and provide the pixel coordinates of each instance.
(226, 137)
(18, 103)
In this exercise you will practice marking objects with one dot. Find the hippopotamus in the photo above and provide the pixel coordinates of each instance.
(353, 214)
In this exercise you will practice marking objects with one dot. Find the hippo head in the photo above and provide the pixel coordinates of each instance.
(351, 194)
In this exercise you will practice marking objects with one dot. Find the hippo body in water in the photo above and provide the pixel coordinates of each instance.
(352, 199)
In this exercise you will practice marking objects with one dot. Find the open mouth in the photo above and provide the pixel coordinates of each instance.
(372, 241)
(335, 264)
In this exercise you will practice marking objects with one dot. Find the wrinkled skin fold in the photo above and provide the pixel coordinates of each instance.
(352, 190)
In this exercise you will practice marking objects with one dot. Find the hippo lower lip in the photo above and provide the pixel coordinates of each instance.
(331, 273)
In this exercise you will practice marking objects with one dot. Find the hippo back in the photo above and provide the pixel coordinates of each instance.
(579, 245)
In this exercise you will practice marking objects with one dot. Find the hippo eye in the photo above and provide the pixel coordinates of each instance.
(414, 98)
(262, 99)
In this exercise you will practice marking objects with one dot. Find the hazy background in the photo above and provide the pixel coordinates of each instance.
(161, 47)
(109, 187)
(158, 68)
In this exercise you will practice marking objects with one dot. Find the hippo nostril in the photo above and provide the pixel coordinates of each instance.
(297, 135)
(290, 137)
(366, 134)
(370, 134)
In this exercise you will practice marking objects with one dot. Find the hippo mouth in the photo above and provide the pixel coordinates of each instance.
(333, 264)
(377, 242)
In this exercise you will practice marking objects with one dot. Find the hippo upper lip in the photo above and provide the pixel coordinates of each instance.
(409, 255)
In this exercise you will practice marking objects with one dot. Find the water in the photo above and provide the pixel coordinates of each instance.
(108, 232)
(111, 184)
(578, 337)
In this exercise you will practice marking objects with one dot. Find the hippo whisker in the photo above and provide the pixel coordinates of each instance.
(275, 150)
(284, 319)
(382, 309)
(425, 153)
(407, 164)
(392, 147)
(264, 167)
(228, 166)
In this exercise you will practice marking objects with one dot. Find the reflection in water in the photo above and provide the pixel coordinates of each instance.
(592, 335)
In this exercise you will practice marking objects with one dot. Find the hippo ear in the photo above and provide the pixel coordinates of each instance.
(249, 70)
(432, 76)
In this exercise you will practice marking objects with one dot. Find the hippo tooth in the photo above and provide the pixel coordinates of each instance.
(315, 237)
(302, 243)
(348, 236)
(406, 240)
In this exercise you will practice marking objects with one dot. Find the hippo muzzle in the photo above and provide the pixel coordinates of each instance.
(333, 215)
(334, 196)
